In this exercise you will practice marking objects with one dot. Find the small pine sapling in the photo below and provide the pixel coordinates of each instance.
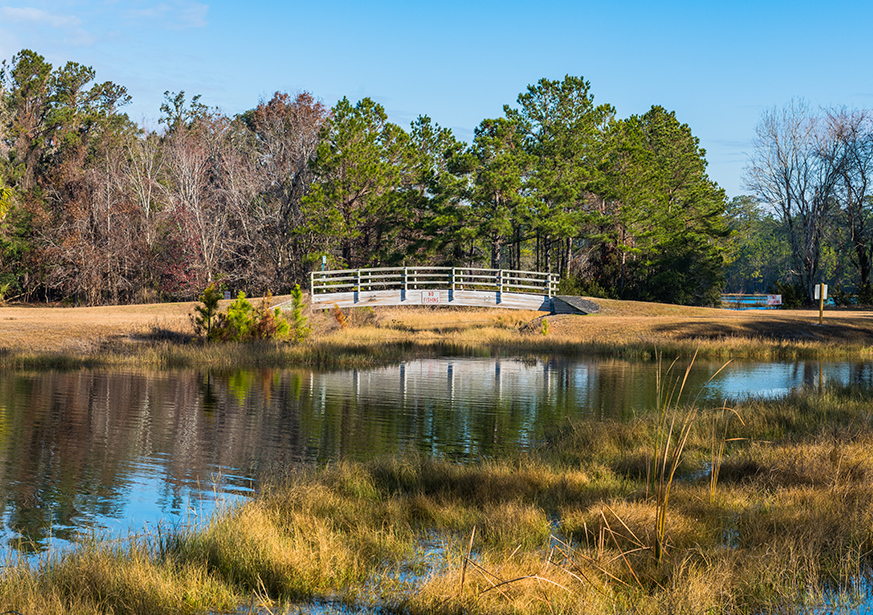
(238, 322)
(299, 323)
(243, 321)
(206, 313)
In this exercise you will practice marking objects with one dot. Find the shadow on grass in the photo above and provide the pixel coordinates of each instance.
(775, 329)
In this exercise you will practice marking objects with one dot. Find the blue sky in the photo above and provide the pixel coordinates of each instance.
(717, 65)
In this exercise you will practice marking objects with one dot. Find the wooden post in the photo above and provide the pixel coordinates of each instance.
(821, 293)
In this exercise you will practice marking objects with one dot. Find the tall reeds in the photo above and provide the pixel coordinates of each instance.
(675, 422)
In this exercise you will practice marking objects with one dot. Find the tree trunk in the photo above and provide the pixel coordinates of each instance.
(537, 250)
(547, 254)
(496, 245)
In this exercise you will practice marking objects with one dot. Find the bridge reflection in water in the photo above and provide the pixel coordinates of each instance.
(114, 449)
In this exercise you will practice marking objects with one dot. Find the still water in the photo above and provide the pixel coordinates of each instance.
(121, 451)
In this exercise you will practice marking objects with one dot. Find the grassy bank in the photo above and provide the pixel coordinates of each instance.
(161, 336)
(770, 510)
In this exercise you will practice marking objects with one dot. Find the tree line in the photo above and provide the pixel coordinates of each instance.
(95, 209)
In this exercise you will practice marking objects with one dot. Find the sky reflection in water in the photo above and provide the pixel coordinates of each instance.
(121, 452)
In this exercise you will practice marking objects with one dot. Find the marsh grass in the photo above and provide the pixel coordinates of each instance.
(102, 576)
(569, 528)
(675, 422)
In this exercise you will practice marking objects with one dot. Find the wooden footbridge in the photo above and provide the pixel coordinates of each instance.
(447, 286)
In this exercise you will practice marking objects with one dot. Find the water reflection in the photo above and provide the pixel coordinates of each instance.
(119, 450)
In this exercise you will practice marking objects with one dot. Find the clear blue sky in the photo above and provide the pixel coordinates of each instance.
(718, 65)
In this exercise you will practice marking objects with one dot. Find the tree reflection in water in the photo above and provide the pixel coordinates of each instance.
(117, 450)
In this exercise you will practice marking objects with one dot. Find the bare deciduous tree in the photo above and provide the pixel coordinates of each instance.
(852, 132)
(193, 157)
(286, 134)
(141, 176)
(794, 168)
(94, 239)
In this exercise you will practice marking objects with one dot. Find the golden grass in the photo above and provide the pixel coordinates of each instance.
(102, 577)
(160, 334)
(789, 525)
(572, 528)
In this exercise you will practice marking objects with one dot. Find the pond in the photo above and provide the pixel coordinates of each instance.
(123, 451)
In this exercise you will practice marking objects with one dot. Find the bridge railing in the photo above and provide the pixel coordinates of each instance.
(735, 301)
(431, 278)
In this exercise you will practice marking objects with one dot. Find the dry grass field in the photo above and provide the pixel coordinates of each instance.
(88, 331)
(625, 320)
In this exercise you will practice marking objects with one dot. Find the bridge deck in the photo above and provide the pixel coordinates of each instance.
(461, 286)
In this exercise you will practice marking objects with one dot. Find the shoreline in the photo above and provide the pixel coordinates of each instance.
(161, 335)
